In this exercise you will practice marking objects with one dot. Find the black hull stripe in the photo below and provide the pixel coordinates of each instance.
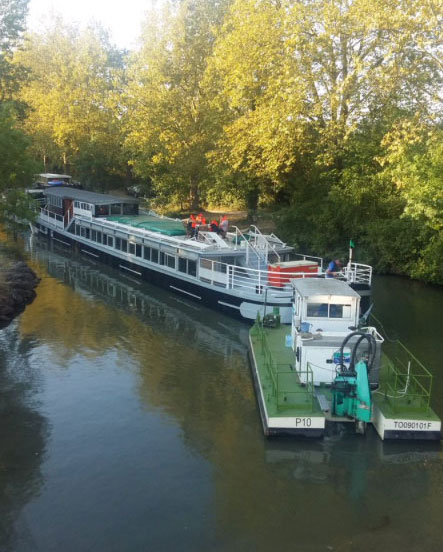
(216, 299)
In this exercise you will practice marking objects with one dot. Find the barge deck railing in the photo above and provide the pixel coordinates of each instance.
(285, 382)
(241, 278)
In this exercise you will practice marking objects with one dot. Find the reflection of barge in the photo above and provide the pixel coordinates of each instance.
(331, 369)
(161, 308)
(242, 274)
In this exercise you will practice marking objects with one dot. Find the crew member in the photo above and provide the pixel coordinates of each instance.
(224, 225)
(334, 268)
(192, 225)
(214, 226)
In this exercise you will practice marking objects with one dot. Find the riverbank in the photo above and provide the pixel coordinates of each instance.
(17, 289)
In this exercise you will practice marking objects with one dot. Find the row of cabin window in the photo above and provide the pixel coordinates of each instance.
(84, 206)
(151, 254)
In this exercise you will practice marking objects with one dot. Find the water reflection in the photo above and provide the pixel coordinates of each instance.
(23, 435)
(156, 436)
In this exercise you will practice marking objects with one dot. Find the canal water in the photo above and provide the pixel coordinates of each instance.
(128, 422)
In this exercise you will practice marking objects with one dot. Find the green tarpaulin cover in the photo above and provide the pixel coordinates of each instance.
(154, 224)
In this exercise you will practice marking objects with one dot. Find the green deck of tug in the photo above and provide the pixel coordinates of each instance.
(404, 391)
(165, 226)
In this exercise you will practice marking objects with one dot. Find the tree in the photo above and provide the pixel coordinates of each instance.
(413, 163)
(73, 91)
(296, 78)
(169, 121)
(16, 166)
(12, 26)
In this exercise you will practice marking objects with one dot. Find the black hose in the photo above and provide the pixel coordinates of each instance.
(371, 352)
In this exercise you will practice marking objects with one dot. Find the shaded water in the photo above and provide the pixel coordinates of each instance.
(128, 422)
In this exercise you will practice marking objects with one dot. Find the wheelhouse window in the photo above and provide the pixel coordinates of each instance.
(110, 240)
(328, 310)
(154, 255)
(138, 250)
(124, 246)
(116, 209)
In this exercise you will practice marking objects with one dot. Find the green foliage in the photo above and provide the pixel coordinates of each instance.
(12, 25)
(73, 92)
(170, 122)
(16, 165)
(327, 111)
(17, 210)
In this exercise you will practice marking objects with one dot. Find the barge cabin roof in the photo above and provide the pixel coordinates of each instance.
(88, 197)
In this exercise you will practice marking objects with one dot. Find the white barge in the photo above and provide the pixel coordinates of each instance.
(242, 274)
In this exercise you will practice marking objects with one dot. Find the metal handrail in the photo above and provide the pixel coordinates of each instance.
(239, 234)
(276, 371)
(263, 238)
(254, 280)
(408, 383)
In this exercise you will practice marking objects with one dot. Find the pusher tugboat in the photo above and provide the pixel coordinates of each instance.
(329, 367)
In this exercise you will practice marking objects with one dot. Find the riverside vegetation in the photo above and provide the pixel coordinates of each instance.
(327, 113)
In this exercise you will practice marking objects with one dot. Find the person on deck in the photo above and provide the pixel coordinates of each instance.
(224, 225)
(192, 223)
(214, 226)
(334, 269)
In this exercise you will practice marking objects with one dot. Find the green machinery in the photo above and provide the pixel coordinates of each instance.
(351, 391)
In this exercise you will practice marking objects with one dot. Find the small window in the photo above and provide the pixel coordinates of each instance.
(93, 235)
(132, 248)
(171, 261)
(124, 245)
(154, 255)
(317, 310)
(118, 244)
(99, 237)
(192, 268)
(187, 266)
(147, 253)
(340, 311)
(138, 250)
(110, 240)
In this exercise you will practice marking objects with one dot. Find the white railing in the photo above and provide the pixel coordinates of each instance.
(239, 239)
(52, 219)
(264, 242)
(277, 283)
(357, 273)
(318, 260)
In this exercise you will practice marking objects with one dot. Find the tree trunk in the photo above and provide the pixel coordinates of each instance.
(194, 197)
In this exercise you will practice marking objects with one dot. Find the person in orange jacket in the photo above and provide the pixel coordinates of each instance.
(214, 226)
